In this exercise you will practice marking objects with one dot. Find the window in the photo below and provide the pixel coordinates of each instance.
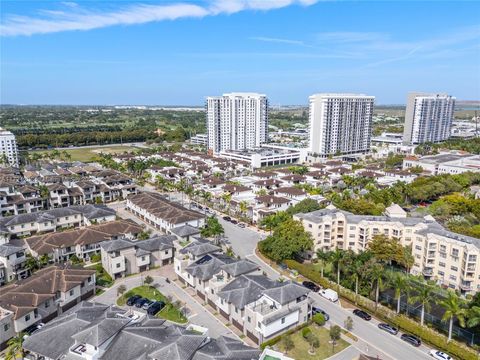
(166, 252)
(418, 247)
(236, 309)
(27, 317)
(249, 319)
(441, 273)
(6, 327)
(452, 277)
(259, 325)
(118, 265)
(47, 303)
(453, 268)
(71, 292)
(283, 320)
(441, 264)
(143, 258)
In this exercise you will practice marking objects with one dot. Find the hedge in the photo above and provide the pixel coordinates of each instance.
(403, 322)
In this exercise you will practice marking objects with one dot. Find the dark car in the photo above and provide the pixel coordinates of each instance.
(388, 328)
(155, 307)
(227, 218)
(317, 310)
(311, 285)
(241, 225)
(411, 339)
(131, 300)
(362, 314)
(234, 222)
(147, 304)
(32, 329)
(139, 303)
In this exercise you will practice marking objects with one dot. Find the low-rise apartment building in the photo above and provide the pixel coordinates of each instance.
(43, 296)
(453, 162)
(125, 257)
(82, 243)
(52, 220)
(452, 259)
(12, 263)
(161, 213)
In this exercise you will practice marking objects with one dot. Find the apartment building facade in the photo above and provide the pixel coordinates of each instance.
(42, 297)
(8, 148)
(236, 121)
(340, 123)
(428, 118)
(124, 257)
(451, 259)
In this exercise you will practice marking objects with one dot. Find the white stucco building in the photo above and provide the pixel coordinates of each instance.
(237, 121)
(340, 123)
(8, 148)
(428, 118)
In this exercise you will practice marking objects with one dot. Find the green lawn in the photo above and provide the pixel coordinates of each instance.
(102, 277)
(90, 154)
(300, 351)
(169, 312)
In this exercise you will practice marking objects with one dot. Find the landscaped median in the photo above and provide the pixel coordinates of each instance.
(404, 323)
(170, 312)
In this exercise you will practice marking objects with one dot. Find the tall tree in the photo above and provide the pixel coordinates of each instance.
(15, 348)
(212, 228)
(399, 282)
(336, 257)
(322, 257)
(424, 295)
(454, 308)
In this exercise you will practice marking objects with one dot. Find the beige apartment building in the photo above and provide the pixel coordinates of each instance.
(449, 258)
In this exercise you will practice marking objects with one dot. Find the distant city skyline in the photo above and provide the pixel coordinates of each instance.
(153, 53)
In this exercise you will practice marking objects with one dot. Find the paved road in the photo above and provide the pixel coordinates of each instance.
(379, 341)
(197, 314)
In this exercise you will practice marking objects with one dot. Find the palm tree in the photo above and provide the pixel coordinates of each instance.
(473, 316)
(399, 282)
(15, 348)
(336, 257)
(454, 308)
(243, 207)
(424, 295)
(269, 222)
(323, 257)
(355, 269)
(376, 275)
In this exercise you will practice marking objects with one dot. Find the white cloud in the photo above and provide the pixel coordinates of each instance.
(77, 18)
(279, 41)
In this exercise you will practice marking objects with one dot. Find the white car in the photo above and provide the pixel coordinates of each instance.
(437, 354)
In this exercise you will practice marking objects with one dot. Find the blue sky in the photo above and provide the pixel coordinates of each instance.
(176, 53)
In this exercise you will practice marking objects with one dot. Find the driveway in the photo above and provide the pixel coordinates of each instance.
(196, 313)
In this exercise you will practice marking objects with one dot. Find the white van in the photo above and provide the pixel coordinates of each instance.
(329, 294)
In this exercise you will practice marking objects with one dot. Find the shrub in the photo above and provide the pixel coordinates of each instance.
(306, 332)
(319, 319)
(275, 340)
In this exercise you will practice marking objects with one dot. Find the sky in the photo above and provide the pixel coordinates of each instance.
(178, 52)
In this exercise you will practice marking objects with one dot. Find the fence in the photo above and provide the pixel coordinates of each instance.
(414, 310)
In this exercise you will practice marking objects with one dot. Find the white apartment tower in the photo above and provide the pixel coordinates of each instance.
(340, 123)
(428, 118)
(8, 148)
(237, 121)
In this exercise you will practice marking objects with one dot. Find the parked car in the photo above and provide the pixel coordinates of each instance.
(155, 307)
(362, 314)
(388, 328)
(234, 222)
(317, 310)
(139, 303)
(311, 285)
(411, 339)
(241, 225)
(147, 304)
(131, 300)
(439, 355)
(329, 294)
(227, 218)
(32, 329)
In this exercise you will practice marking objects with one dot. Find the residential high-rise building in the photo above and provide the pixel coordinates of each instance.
(428, 118)
(237, 121)
(8, 148)
(340, 123)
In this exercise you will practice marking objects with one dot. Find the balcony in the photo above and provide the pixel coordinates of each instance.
(466, 286)
(427, 272)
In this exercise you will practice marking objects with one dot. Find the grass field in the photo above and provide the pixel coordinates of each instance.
(90, 154)
(169, 312)
(300, 350)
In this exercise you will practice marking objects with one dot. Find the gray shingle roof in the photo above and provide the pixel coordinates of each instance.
(208, 265)
(8, 249)
(286, 293)
(185, 230)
